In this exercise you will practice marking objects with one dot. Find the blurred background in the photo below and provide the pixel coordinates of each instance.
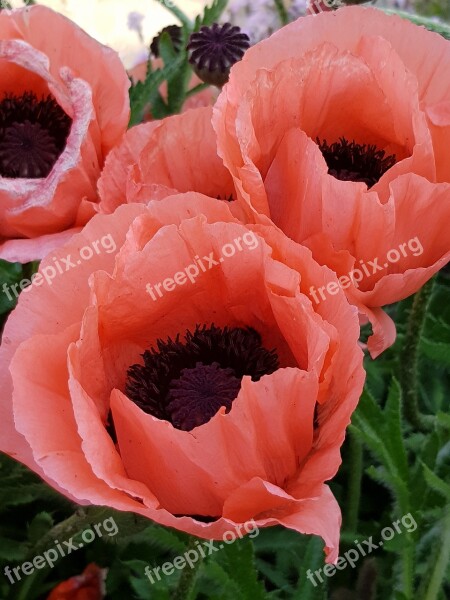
(128, 26)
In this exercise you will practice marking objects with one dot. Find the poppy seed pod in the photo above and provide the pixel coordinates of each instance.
(214, 50)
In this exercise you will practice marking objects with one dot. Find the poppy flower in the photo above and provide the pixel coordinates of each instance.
(337, 130)
(86, 586)
(64, 105)
(158, 159)
(189, 377)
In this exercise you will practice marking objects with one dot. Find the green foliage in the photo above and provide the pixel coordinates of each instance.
(145, 96)
(10, 273)
(145, 93)
(211, 14)
(381, 431)
(238, 562)
(312, 560)
(413, 465)
(433, 8)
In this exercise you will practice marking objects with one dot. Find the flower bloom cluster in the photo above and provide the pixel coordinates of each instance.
(227, 400)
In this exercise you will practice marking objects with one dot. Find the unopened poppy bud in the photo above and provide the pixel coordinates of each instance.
(214, 50)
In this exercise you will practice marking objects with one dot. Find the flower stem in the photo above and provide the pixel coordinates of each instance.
(410, 357)
(177, 12)
(354, 483)
(408, 569)
(187, 579)
(197, 89)
(282, 12)
(439, 573)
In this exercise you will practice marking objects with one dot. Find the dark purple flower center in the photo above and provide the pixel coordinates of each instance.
(196, 396)
(349, 161)
(33, 134)
(187, 382)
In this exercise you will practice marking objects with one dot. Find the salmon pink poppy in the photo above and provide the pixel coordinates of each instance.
(337, 129)
(189, 377)
(162, 158)
(64, 105)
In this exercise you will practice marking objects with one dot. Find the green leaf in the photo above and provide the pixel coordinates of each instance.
(166, 50)
(39, 526)
(443, 419)
(276, 576)
(428, 446)
(177, 86)
(313, 561)
(144, 93)
(381, 431)
(165, 539)
(239, 562)
(159, 108)
(437, 351)
(12, 550)
(280, 556)
(10, 274)
(436, 483)
(393, 426)
(211, 14)
(177, 89)
(219, 583)
(145, 590)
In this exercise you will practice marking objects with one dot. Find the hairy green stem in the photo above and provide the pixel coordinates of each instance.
(197, 89)
(408, 569)
(439, 573)
(187, 579)
(354, 482)
(409, 357)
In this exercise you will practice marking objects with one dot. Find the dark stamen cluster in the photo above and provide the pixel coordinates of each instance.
(186, 382)
(33, 134)
(349, 161)
(214, 50)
